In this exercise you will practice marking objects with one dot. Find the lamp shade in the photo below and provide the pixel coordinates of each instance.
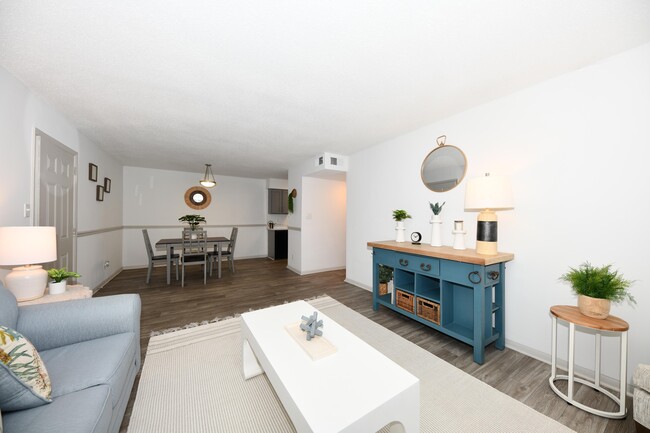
(488, 192)
(27, 245)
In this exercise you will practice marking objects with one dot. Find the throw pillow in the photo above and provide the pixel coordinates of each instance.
(24, 382)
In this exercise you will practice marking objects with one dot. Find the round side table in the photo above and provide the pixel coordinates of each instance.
(573, 317)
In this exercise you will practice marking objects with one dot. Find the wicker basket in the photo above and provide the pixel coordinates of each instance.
(428, 310)
(383, 289)
(404, 301)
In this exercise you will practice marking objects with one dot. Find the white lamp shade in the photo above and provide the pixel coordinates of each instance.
(27, 245)
(488, 192)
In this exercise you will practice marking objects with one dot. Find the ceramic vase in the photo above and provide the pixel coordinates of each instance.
(594, 307)
(401, 232)
(436, 231)
(57, 288)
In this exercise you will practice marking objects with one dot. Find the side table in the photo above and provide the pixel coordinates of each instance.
(73, 291)
(573, 317)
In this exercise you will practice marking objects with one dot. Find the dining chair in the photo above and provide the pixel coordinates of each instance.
(195, 251)
(156, 258)
(229, 253)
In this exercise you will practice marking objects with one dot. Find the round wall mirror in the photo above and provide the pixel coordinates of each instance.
(444, 167)
(197, 197)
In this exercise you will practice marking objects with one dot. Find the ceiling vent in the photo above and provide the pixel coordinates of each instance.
(332, 162)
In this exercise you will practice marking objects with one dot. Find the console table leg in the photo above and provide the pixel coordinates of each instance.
(572, 337)
(623, 377)
(597, 366)
(554, 348)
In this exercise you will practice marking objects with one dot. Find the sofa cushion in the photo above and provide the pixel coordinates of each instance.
(641, 377)
(87, 411)
(8, 308)
(103, 361)
(24, 381)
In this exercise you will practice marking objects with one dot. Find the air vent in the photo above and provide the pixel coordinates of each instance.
(334, 161)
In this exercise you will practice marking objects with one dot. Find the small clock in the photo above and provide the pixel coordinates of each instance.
(416, 237)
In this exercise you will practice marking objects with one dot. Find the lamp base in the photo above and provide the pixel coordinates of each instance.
(486, 233)
(27, 282)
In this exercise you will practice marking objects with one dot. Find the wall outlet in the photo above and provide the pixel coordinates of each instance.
(26, 210)
(107, 264)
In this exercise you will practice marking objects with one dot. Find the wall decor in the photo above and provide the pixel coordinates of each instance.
(444, 167)
(197, 197)
(107, 185)
(100, 193)
(92, 172)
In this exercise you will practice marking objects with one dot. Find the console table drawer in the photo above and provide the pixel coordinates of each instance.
(468, 274)
(420, 264)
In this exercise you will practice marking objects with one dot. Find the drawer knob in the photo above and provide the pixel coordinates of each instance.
(403, 262)
(474, 277)
(493, 275)
(425, 266)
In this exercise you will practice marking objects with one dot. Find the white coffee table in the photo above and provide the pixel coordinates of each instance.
(356, 389)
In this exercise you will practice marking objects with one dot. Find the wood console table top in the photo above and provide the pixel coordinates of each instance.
(572, 314)
(444, 252)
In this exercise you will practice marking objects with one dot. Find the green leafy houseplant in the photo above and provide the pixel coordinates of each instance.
(293, 194)
(58, 275)
(599, 282)
(436, 208)
(385, 274)
(400, 215)
(192, 220)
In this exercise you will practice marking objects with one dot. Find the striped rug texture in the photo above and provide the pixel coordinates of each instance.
(192, 382)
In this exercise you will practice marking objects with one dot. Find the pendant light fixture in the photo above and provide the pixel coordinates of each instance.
(208, 178)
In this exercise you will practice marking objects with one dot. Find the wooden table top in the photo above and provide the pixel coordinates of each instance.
(444, 252)
(178, 241)
(572, 314)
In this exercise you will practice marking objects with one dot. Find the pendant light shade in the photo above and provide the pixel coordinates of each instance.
(208, 178)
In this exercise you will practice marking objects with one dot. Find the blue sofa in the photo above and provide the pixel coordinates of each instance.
(91, 350)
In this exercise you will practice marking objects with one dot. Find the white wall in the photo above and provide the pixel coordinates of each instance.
(154, 199)
(576, 148)
(21, 112)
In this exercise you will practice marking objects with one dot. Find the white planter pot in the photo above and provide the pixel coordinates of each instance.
(401, 232)
(436, 231)
(57, 288)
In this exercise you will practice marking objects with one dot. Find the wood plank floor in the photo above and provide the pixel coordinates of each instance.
(259, 283)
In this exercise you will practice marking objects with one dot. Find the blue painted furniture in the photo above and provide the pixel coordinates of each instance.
(466, 288)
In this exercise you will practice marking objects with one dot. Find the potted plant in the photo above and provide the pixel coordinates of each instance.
(293, 194)
(436, 224)
(400, 215)
(59, 279)
(385, 276)
(597, 288)
(192, 220)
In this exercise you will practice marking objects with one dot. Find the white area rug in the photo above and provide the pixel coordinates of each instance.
(192, 382)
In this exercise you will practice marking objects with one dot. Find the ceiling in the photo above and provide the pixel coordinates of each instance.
(257, 86)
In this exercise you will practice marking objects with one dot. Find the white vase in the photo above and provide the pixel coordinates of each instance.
(401, 232)
(57, 288)
(436, 231)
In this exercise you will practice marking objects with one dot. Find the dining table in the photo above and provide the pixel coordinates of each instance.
(169, 244)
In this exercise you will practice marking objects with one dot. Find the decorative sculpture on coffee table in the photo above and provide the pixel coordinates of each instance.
(311, 325)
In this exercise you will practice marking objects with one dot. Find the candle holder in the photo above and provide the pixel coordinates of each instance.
(459, 235)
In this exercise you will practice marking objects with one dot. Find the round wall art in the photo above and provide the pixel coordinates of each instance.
(197, 197)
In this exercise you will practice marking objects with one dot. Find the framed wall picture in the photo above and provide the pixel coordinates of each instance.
(107, 185)
(100, 193)
(92, 172)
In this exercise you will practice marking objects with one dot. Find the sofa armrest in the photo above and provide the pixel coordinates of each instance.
(62, 323)
(641, 378)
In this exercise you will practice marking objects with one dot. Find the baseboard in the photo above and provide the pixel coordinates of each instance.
(585, 373)
(358, 284)
(316, 271)
(106, 281)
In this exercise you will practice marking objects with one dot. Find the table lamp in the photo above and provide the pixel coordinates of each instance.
(488, 194)
(26, 246)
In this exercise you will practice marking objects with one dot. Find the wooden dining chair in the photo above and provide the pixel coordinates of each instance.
(156, 258)
(195, 251)
(229, 254)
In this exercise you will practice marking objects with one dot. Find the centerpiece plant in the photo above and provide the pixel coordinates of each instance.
(597, 287)
(192, 220)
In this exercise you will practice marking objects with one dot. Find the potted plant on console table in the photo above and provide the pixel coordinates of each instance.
(597, 288)
(399, 215)
(59, 280)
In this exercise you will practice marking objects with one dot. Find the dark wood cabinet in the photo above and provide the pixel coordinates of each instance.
(278, 244)
(278, 201)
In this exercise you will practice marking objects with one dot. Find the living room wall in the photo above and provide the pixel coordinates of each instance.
(21, 112)
(576, 149)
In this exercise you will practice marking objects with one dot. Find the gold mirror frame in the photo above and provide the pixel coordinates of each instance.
(189, 197)
(443, 184)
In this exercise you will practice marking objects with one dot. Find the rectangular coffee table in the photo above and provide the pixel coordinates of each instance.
(355, 389)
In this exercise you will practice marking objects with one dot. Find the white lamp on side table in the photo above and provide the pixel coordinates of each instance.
(26, 246)
(488, 194)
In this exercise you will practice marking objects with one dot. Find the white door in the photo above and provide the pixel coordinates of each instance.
(56, 180)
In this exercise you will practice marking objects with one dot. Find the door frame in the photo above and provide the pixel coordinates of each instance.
(36, 211)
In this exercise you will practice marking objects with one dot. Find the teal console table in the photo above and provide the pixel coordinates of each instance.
(457, 292)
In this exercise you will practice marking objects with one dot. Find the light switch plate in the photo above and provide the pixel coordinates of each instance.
(26, 210)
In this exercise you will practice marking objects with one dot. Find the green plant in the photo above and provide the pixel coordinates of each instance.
(385, 274)
(58, 275)
(436, 208)
(599, 282)
(400, 215)
(192, 220)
